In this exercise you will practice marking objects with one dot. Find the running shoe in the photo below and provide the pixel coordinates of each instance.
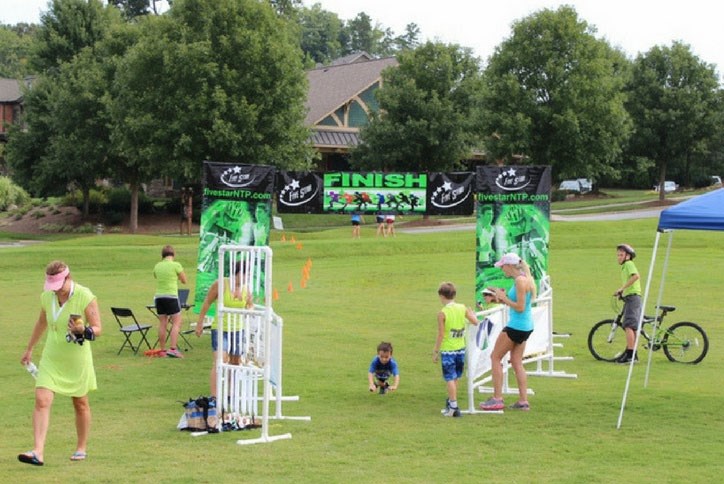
(520, 406)
(174, 353)
(451, 412)
(492, 403)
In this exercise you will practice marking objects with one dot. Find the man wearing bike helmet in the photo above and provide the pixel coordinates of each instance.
(630, 292)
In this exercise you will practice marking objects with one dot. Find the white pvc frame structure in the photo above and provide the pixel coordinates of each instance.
(544, 357)
(259, 344)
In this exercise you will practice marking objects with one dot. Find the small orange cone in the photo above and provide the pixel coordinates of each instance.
(293, 239)
(290, 288)
(304, 283)
(284, 238)
(275, 294)
(309, 262)
(299, 246)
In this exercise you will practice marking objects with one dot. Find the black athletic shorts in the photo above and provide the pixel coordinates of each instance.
(517, 336)
(167, 305)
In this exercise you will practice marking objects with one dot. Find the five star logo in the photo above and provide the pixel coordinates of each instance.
(449, 194)
(510, 180)
(298, 191)
(236, 178)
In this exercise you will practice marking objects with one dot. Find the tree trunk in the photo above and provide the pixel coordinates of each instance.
(662, 179)
(133, 223)
(86, 203)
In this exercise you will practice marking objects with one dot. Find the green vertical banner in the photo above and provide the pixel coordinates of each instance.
(236, 209)
(513, 215)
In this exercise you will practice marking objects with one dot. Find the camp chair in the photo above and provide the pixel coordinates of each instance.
(126, 315)
(183, 297)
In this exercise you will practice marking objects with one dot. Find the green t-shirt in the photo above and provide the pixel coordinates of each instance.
(628, 268)
(166, 273)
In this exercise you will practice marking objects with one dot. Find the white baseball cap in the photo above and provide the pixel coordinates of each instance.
(508, 259)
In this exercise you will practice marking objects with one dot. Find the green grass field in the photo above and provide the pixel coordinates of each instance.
(361, 292)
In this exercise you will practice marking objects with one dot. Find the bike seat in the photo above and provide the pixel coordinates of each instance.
(668, 309)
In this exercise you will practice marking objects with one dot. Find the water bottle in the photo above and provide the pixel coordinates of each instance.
(32, 369)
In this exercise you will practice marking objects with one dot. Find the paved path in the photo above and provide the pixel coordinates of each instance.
(555, 217)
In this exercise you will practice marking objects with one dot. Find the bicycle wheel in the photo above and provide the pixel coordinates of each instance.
(685, 342)
(606, 340)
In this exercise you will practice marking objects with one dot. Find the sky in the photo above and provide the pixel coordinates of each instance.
(632, 25)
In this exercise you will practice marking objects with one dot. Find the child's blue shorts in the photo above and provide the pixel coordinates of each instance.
(453, 364)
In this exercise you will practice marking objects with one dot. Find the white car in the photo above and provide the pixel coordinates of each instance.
(570, 186)
(580, 185)
(669, 186)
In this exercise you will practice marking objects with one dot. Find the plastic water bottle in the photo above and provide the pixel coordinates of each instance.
(32, 369)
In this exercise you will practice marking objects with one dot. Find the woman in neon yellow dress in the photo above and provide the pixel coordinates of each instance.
(66, 365)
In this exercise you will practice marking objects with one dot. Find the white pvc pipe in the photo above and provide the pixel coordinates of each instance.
(638, 330)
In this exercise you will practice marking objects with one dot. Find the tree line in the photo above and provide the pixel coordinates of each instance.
(123, 92)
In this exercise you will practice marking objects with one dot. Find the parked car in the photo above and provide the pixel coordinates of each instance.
(570, 186)
(579, 185)
(669, 186)
(586, 184)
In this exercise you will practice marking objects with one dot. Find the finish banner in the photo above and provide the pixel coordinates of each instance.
(513, 215)
(236, 209)
(376, 192)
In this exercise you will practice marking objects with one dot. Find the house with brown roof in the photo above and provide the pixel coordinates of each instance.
(339, 103)
(11, 104)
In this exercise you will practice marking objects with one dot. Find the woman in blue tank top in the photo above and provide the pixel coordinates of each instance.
(513, 337)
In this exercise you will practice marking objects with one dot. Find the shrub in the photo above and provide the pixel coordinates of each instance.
(559, 195)
(113, 217)
(84, 229)
(97, 198)
(11, 194)
(119, 200)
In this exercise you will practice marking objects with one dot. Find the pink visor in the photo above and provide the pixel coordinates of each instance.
(55, 282)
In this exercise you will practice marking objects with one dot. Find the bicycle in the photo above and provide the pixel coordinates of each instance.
(682, 342)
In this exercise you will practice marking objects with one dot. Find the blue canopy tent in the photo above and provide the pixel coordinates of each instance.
(705, 212)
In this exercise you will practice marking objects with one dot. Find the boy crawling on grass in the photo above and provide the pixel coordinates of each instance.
(382, 367)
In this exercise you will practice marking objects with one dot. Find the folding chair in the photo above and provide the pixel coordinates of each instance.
(183, 297)
(125, 314)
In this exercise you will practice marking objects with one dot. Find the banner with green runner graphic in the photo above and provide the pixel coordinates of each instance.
(513, 215)
(236, 209)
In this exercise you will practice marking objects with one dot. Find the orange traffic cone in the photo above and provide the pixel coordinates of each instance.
(309, 262)
(293, 239)
(275, 294)
(304, 283)
(290, 288)
(299, 246)
(284, 238)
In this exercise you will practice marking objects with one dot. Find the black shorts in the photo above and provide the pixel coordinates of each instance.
(517, 336)
(380, 219)
(167, 306)
(355, 222)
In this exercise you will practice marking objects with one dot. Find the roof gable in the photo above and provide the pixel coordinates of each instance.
(332, 86)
